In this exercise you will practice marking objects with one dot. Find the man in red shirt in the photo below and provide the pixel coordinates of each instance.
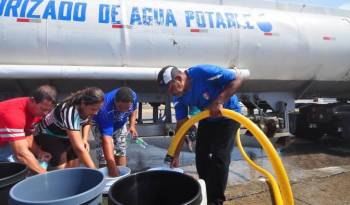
(17, 119)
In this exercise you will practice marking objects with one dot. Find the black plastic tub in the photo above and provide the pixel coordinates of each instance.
(10, 174)
(62, 187)
(155, 188)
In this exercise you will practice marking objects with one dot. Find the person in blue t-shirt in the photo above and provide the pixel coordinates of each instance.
(110, 128)
(206, 87)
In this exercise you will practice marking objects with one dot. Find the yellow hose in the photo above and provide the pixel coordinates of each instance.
(282, 178)
(271, 179)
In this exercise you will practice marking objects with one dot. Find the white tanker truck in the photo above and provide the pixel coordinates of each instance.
(292, 52)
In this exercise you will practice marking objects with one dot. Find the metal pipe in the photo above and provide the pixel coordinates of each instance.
(77, 72)
(83, 72)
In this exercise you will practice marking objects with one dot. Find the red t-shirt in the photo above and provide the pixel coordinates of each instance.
(16, 121)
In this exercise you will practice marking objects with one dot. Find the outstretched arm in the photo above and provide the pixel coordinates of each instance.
(132, 122)
(86, 131)
(108, 151)
(24, 155)
(78, 146)
(176, 162)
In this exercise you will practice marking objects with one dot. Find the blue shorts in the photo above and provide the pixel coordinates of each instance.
(6, 153)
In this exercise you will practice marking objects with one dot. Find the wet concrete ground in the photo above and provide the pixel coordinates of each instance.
(319, 171)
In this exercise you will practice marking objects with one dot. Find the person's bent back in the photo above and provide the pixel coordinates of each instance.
(63, 132)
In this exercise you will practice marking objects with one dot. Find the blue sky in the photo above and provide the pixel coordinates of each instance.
(328, 3)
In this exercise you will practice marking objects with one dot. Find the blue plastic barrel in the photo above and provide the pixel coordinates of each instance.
(155, 188)
(61, 187)
(10, 174)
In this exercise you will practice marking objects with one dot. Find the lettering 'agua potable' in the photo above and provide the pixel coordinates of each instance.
(165, 17)
(139, 16)
(218, 20)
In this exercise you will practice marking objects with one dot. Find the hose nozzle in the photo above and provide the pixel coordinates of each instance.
(168, 159)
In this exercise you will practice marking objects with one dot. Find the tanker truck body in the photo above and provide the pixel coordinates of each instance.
(291, 51)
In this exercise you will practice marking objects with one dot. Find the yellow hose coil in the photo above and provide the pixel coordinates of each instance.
(286, 196)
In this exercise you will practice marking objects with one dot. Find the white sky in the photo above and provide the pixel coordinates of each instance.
(328, 3)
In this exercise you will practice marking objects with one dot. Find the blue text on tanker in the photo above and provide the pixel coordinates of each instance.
(111, 14)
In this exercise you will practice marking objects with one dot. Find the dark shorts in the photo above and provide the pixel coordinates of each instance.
(60, 149)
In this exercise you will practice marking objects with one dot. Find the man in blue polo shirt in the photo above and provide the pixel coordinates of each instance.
(206, 87)
(110, 128)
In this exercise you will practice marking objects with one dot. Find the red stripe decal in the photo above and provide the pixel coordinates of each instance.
(23, 20)
(195, 30)
(327, 38)
(268, 34)
(117, 26)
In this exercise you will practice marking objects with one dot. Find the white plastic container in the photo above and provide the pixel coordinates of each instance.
(167, 169)
(204, 191)
(124, 171)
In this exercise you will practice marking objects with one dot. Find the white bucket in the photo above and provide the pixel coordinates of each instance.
(124, 171)
(167, 169)
(204, 192)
